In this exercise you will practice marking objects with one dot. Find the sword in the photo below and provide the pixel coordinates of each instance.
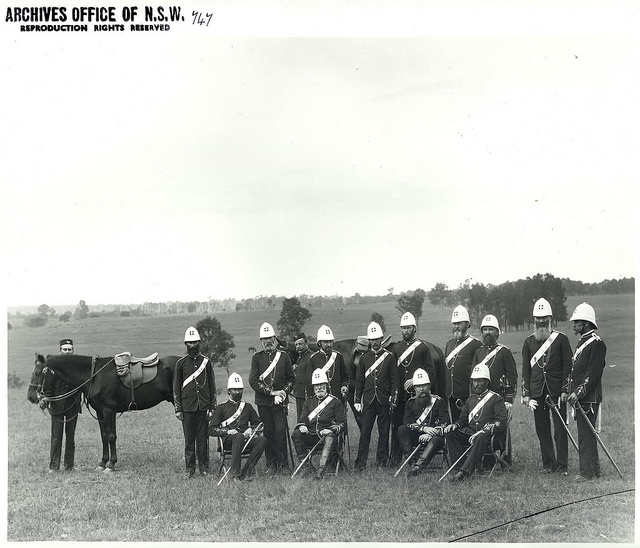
(453, 465)
(408, 459)
(550, 403)
(307, 457)
(257, 429)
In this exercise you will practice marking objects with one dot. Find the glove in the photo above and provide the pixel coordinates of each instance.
(525, 400)
(450, 428)
(573, 398)
(277, 399)
(392, 402)
(325, 432)
(414, 426)
(247, 433)
(42, 404)
(344, 391)
(232, 432)
(429, 430)
(303, 429)
(508, 405)
(424, 438)
(533, 405)
(179, 415)
(563, 397)
(358, 407)
(209, 414)
(408, 385)
(473, 437)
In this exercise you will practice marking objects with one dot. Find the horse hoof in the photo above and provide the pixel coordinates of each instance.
(107, 471)
(99, 469)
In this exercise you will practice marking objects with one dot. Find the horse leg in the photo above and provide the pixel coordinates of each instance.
(105, 445)
(110, 426)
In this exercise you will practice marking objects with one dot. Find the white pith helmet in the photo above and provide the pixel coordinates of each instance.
(542, 309)
(481, 371)
(191, 335)
(407, 320)
(266, 331)
(324, 333)
(235, 381)
(319, 377)
(420, 376)
(584, 311)
(490, 321)
(460, 314)
(374, 331)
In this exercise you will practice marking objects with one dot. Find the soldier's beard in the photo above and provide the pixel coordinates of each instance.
(193, 351)
(542, 333)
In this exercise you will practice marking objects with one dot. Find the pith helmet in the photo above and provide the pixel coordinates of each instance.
(490, 321)
(460, 314)
(266, 331)
(585, 312)
(319, 377)
(191, 335)
(420, 376)
(324, 333)
(481, 372)
(235, 381)
(407, 320)
(374, 331)
(542, 309)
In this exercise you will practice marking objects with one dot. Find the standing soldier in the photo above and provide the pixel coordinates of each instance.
(459, 353)
(546, 364)
(194, 399)
(376, 394)
(331, 362)
(234, 421)
(499, 359)
(301, 368)
(410, 354)
(272, 378)
(64, 415)
(585, 387)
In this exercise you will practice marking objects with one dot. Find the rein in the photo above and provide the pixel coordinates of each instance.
(77, 388)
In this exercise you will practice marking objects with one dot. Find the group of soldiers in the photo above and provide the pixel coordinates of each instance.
(392, 386)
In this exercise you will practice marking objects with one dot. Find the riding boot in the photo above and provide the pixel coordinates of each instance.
(427, 454)
(326, 453)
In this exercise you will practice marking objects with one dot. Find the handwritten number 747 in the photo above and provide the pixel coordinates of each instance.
(200, 19)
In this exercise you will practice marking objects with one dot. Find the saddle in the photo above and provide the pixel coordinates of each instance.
(136, 371)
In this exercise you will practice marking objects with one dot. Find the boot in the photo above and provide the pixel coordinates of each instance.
(326, 453)
(427, 454)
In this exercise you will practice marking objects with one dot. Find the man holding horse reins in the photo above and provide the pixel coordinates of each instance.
(194, 399)
(64, 414)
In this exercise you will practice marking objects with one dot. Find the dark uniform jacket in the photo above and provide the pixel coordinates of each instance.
(586, 373)
(551, 370)
(53, 385)
(247, 418)
(281, 378)
(337, 374)
(459, 368)
(502, 367)
(382, 383)
(438, 416)
(492, 418)
(199, 394)
(302, 388)
(420, 357)
(333, 416)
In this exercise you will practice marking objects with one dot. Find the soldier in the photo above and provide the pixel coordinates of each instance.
(272, 378)
(410, 354)
(331, 362)
(194, 399)
(323, 417)
(234, 421)
(584, 387)
(301, 391)
(459, 353)
(425, 417)
(546, 364)
(499, 359)
(483, 415)
(376, 394)
(362, 345)
(64, 415)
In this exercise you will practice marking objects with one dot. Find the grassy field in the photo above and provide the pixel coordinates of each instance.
(147, 499)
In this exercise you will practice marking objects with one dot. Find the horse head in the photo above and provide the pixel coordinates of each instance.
(37, 379)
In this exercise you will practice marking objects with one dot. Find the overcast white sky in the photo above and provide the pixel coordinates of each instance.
(316, 149)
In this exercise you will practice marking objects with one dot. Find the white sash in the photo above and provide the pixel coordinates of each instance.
(426, 411)
(491, 355)
(408, 351)
(579, 350)
(196, 372)
(319, 408)
(458, 349)
(272, 366)
(375, 364)
(480, 405)
(330, 361)
(542, 350)
(233, 417)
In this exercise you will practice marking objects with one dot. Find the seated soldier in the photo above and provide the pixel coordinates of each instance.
(425, 416)
(234, 421)
(323, 418)
(483, 414)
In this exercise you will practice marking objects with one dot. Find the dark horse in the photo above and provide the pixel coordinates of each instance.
(104, 391)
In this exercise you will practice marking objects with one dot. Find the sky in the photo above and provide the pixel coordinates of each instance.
(325, 149)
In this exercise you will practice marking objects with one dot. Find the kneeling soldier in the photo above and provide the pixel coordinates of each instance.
(425, 416)
(323, 418)
(483, 414)
(233, 422)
